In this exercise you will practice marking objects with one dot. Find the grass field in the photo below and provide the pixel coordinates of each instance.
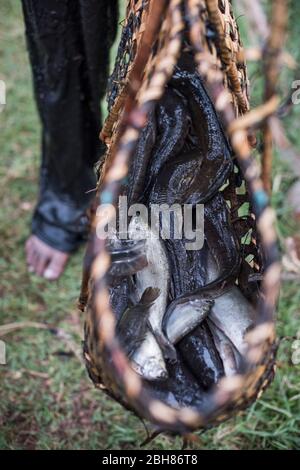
(46, 398)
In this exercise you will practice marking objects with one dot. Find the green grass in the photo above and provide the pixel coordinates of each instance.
(46, 398)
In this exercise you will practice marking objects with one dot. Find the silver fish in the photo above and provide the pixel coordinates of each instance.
(132, 327)
(185, 317)
(148, 360)
(230, 318)
(229, 355)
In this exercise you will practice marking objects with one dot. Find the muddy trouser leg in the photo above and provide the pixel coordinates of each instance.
(68, 43)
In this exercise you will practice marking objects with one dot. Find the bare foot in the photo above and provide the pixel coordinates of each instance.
(44, 260)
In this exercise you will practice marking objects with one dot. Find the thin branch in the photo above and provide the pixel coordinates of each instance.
(271, 60)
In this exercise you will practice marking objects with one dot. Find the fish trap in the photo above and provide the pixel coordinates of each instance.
(187, 52)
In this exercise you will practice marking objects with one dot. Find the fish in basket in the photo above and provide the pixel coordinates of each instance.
(181, 274)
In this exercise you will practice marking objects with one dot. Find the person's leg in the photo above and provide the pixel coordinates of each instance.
(68, 42)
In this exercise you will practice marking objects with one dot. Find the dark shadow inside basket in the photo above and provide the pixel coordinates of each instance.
(205, 298)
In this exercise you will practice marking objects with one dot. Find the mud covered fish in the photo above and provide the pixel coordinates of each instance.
(222, 243)
(201, 357)
(140, 162)
(194, 171)
(163, 136)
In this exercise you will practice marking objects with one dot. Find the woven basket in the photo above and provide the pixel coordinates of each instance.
(151, 43)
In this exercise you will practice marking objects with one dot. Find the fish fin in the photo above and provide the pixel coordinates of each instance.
(167, 348)
(149, 295)
(237, 359)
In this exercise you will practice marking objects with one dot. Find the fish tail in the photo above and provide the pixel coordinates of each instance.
(167, 348)
(149, 295)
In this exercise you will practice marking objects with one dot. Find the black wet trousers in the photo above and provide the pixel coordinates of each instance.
(68, 43)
